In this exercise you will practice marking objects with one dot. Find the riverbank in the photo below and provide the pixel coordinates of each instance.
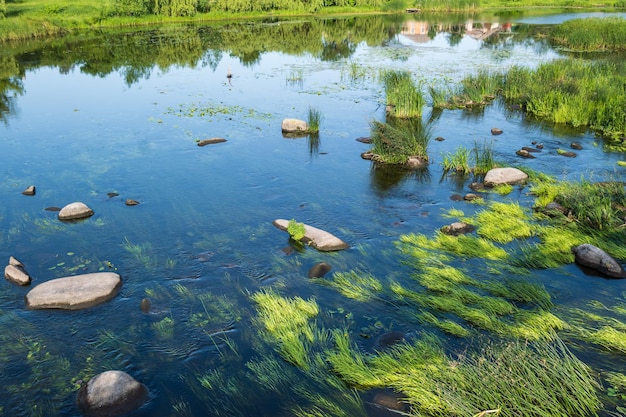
(31, 19)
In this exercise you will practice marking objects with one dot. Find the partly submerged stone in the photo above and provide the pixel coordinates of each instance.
(131, 202)
(76, 292)
(111, 394)
(30, 190)
(508, 175)
(496, 131)
(319, 270)
(17, 274)
(211, 141)
(294, 126)
(457, 228)
(595, 258)
(13, 261)
(319, 239)
(75, 211)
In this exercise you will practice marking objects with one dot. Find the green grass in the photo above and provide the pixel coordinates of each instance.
(314, 119)
(478, 160)
(404, 97)
(591, 34)
(396, 141)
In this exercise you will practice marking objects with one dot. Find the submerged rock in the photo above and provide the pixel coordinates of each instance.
(507, 175)
(593, 257)
(319, 270)
(319, 239)
(111, 394)
(145, 305)
(496, 131)
(75, 211)
(294, 126)
(389, 339)
(525, 154)
(457, 228)
(210, 141)
(576, 145)
(30, 190)
(76, 292)
(364, 140)
(52, 208)
(567, 154)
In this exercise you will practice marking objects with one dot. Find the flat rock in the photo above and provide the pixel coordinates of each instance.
(294, 126)
(593, 257)
(17, 275)
(211, 141)
(75, 211)
(507, 175)
(319, 239)
(111, 394)
(76, 292)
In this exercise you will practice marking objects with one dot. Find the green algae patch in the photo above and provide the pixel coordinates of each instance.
(464, 246)
(357, 285)
(504, 223)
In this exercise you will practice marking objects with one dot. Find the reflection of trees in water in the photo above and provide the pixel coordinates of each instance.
(11, 86)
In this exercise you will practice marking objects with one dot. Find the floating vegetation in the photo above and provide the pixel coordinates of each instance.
(358, 285)
(211, 111)
(295, 78)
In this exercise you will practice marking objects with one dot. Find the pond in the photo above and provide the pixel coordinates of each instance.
(102, 118)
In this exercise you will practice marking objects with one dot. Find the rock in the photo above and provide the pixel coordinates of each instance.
(415, 162)
(576, 145)
(477, 186)
(131, 202)
(593, 257)
(76, 292)
(17, 275)
(553, 209)
(471, 197)
(388, 339)
(508, 175)
(145, 305)
(529, 149)
(457, 228)
(111, 394)
(30, 190)
(440, 139)
(210, 141)
(52, 208)
(567, 154)
(391, 401)
(319, 239)
(294, 126)
(75, 211)
(112, 194)
(456, 197)
(368, 155)
(524, 153)
(319, 270)
(15, 262)
(364, 140)
(539, 146)
(496, 131)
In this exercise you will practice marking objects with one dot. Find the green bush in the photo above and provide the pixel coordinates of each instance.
(3, 9)
(175, 7)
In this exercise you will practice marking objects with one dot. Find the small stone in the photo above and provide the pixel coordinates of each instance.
(211, 141)
(17, 275)
(539, 146)
(496, 131)
(364, 140)
(52, 208)
(75, 211)
(593, 257)
(294, 126)
(440, 139)
(529, 149)
(457, 228)
(415, 162)
(456, 197)
(367, 155)
(477, 186)
(567, 154)
(131, 202)
(525, 154)
(471, 197)
(30, 190)
(111, 394)
(15, 262)
(576, 145)
(319, 270)
(145, 305)
(112, 194)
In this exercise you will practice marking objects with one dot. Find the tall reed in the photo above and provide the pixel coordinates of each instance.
(591, 34)
(396, 141)
(404, 97)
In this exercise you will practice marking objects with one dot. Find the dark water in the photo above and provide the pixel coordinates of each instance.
(101, 119)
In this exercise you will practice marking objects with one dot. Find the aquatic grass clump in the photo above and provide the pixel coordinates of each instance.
(404, 97)
(531, 379)
(464, 246)
(478, 160)
(314, 120)
(475, 90)
(357, 285)
(398, 140)
(503, 223)
(288, 322)
(591, 34)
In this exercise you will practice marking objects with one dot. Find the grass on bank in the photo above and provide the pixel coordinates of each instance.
(591, 34)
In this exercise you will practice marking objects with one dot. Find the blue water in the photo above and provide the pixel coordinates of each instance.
(203, 227)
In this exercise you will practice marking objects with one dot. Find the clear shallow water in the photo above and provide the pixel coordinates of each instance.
(203, 229)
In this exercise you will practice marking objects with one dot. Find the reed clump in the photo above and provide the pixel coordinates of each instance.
(398, 140)
(591, 34)
(404, 97)
(478, 160)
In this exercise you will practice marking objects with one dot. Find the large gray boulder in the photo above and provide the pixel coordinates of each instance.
(497, 176)
(75, 211)
(593, 257)
(294, 126)
(75, 293)
(110, 394)
(319, 239)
